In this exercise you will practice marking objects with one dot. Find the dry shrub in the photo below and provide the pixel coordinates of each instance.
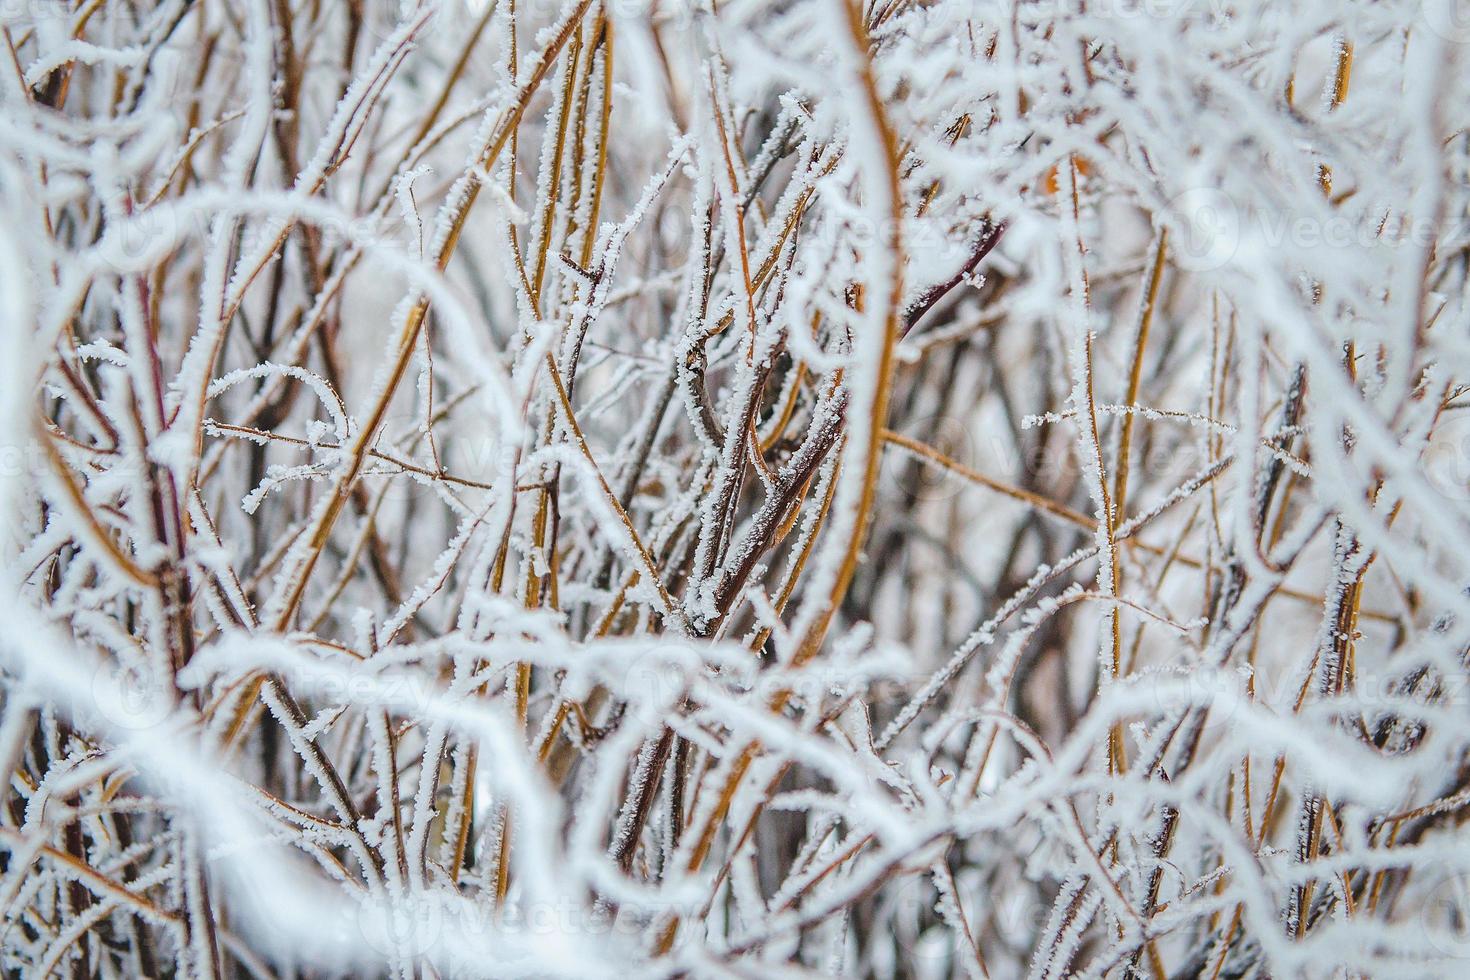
(912, 489)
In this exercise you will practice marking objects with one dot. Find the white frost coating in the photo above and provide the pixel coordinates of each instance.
(687, 528)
